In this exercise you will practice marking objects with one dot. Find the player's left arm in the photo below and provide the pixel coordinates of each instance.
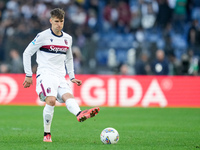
(70, 66)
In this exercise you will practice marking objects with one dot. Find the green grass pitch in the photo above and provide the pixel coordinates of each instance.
(21, 128)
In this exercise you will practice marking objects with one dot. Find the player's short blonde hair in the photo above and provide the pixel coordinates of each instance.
(58, 13)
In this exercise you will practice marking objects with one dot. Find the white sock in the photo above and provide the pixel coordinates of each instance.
(47, 117)
(72, 106)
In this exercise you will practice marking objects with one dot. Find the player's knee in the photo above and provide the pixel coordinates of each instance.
(51, 100)
(67, 96)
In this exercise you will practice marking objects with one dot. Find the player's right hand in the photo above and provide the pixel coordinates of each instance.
(27, 82)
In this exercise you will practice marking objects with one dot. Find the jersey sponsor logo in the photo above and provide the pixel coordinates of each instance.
(54, 49)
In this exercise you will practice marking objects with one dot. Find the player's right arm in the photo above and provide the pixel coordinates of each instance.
(29, 51)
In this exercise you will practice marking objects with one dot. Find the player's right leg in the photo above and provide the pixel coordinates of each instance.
(48, 116)
(47, 91)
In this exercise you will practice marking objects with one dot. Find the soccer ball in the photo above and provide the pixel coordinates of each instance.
(109, 136)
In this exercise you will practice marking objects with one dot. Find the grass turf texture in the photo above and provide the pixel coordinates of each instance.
(21, 128)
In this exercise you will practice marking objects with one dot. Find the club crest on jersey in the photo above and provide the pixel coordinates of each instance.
(51, 40)
(66, 42)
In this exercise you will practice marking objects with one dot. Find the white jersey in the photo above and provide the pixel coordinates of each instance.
(53, 54)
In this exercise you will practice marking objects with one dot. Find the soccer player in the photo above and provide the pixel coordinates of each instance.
(53, 51)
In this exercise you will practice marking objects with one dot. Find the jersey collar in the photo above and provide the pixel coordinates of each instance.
(55, 34)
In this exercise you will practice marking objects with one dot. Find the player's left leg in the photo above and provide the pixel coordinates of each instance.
(74, 108)
(71, 103)
(65, 95)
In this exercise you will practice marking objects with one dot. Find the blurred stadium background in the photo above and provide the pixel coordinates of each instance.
(109, 36)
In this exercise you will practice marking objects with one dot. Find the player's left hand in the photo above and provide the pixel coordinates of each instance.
(78, 82)
(28, 82)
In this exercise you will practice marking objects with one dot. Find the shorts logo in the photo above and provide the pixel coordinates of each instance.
(48, 90)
